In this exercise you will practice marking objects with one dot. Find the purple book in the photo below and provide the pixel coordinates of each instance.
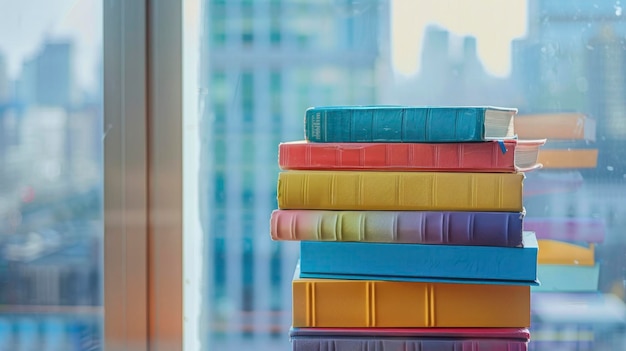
(590, 230)
(423, 339)
(412, 227)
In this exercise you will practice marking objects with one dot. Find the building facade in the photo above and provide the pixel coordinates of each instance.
(264, 63)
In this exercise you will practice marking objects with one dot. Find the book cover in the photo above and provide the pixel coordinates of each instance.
(415, 227)
(561, 252)
(424, 339)
(581, 229)
(561, 126)
(491, 156)
(366, 303)
(568, 158)
(567, 278)
(419, 262)
(435, 191)
(407, 124)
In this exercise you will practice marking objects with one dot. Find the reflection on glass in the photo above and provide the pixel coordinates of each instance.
(50, 175)
(265, 62)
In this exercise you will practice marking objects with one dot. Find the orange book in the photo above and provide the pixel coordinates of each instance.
(489, 156)
(568, 158)
(374, 303)
(562, 126)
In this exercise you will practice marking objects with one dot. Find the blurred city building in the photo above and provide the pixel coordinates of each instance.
(574, 59)
(50, 205)
(264, 64)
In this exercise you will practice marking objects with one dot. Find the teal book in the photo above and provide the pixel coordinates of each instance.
(408, 124)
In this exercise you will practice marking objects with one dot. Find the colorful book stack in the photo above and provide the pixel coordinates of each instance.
(410, 228)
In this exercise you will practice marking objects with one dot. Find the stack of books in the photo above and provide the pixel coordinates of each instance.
(410, 228)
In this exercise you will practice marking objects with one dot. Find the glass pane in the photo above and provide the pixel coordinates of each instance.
(51, 175)
(262, 63)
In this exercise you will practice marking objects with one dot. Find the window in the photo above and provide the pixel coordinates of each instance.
(538, 56)
(51, 175)
(248, 75)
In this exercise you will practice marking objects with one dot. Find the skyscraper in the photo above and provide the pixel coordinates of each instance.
(47, 78)
(264, 64)
(451, 73)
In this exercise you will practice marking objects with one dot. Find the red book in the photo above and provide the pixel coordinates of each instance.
(488, 156)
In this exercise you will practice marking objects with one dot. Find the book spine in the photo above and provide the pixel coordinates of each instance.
(394, 124)
(425, 227)
(435, 191)
(455, 157)
(391, 344)
(369, 303)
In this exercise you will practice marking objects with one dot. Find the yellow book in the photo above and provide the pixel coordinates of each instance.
(568, 158)
(367, 303)
(363, 190)
(559, 252)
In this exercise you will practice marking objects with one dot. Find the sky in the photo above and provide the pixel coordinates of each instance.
(494, 23)
(26, 24)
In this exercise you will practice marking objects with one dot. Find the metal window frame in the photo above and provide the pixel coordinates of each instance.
(143, 190)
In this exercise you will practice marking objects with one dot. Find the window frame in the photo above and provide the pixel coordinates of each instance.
(143, 174)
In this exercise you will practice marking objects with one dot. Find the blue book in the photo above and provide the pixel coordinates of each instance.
(408, 124)
(421, 262)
